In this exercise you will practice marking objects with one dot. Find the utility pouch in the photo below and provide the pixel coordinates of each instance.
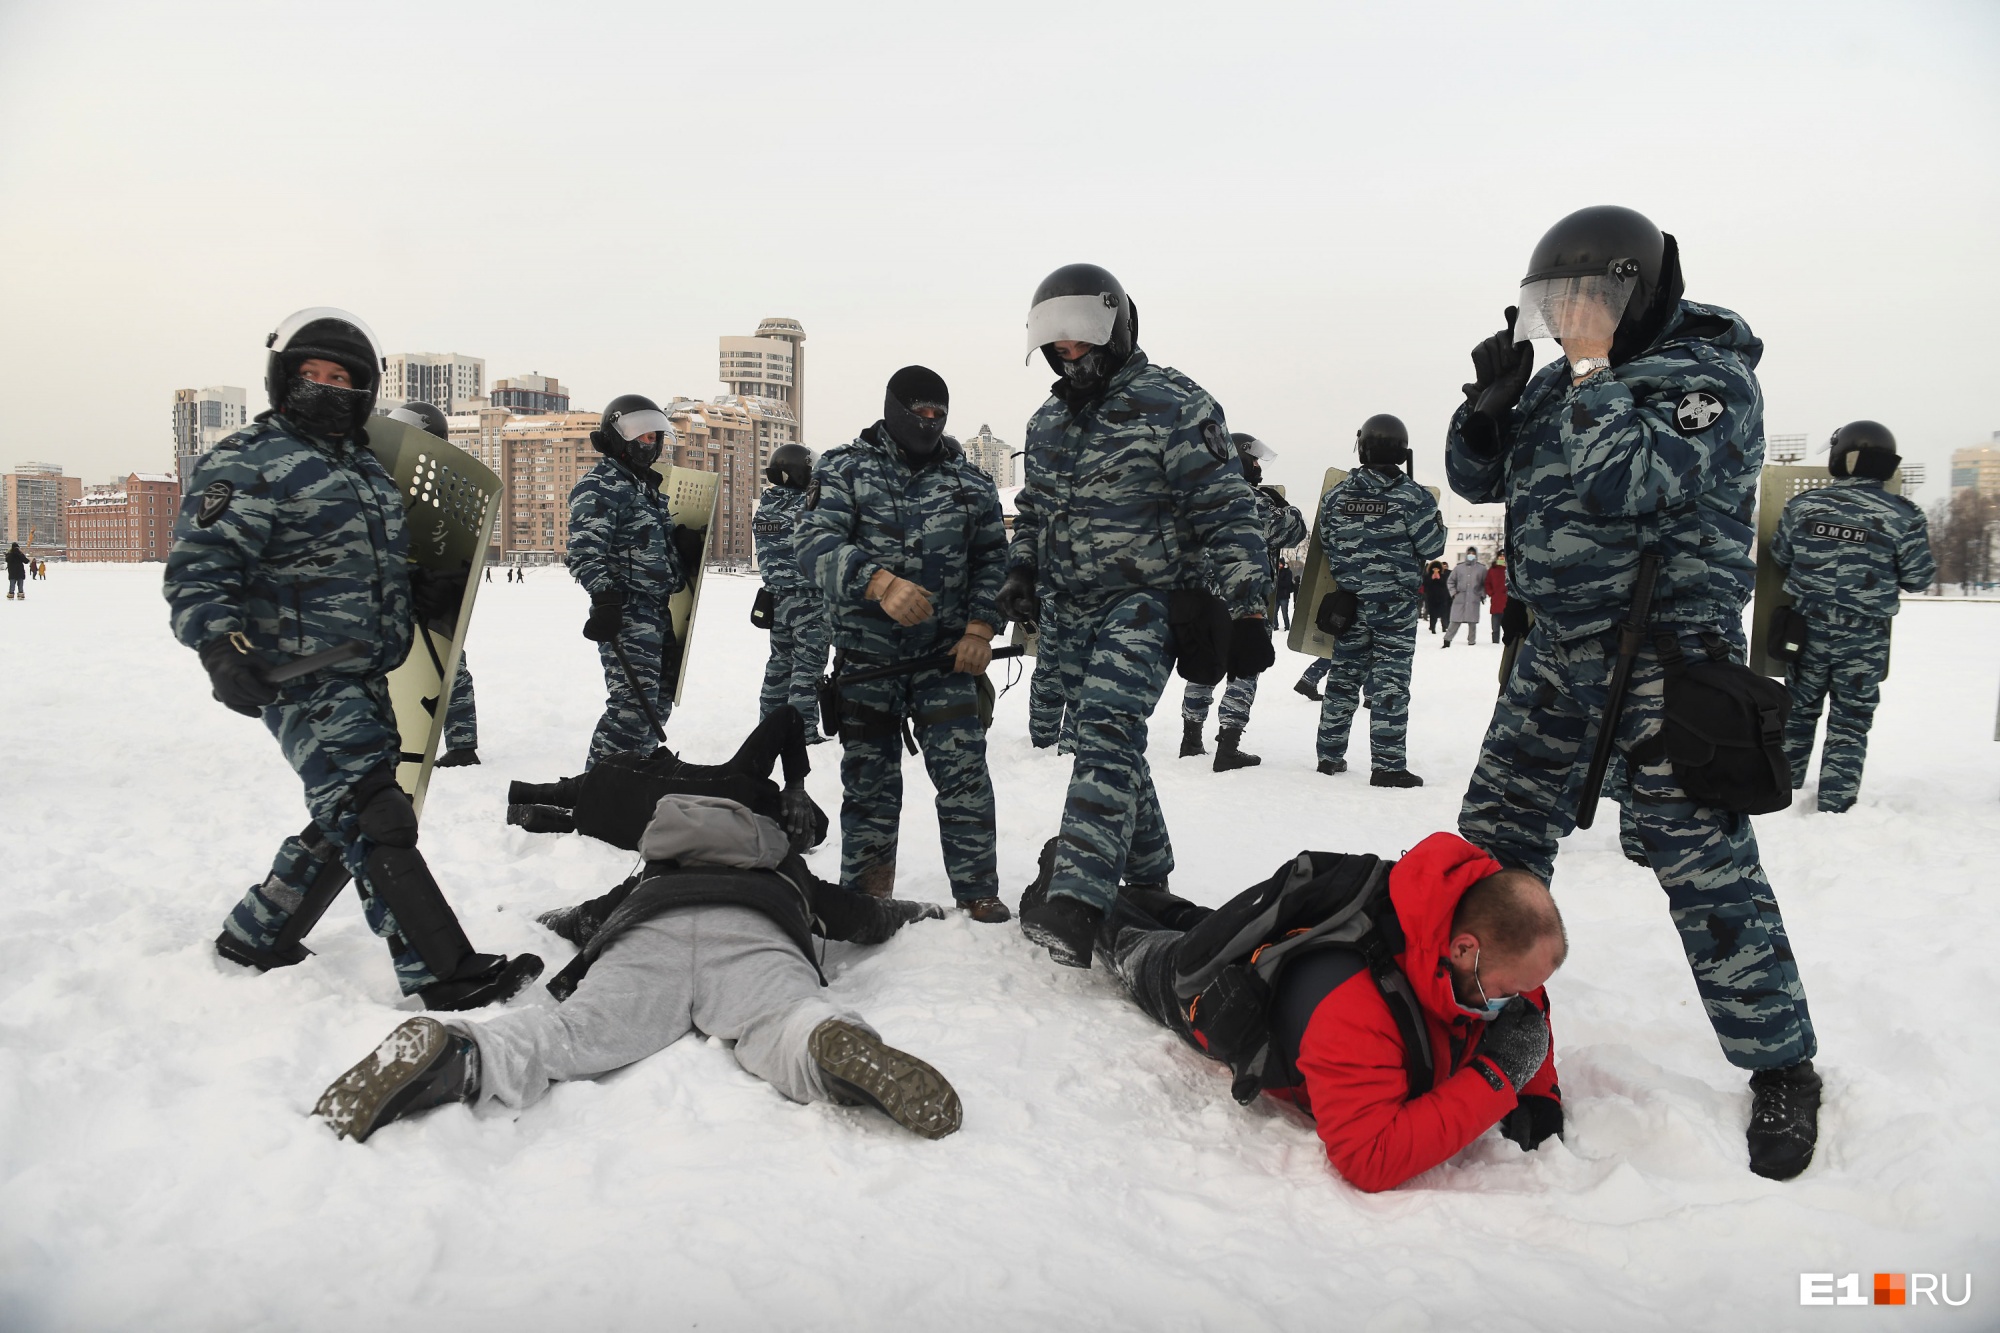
(1337, 611)
(763, 609)
(1788, 635)
(1199, 621)
(1723, 729)
(829, 697)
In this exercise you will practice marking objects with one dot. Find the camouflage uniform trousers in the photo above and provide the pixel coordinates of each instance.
(1237, 697)
(461, 720)
(1316, 671)
(1115, 659)
(798, 654)
(943, 712)
(1051, 721)
(1841, 664)
(646, 636)
(333, 733)
(1522, 802)
(1372, 656)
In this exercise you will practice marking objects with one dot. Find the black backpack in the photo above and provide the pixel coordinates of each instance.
(1723, 728)
(1227, 968)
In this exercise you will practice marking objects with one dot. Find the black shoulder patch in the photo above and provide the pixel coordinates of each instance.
(1698, 411)
(215, 498)
(1216, 440)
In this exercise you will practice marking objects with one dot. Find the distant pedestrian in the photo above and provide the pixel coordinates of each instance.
(489, 573)
(1288, 586)
(1467, 585)
(1437, 597)
(1496, 592)
(17, 574)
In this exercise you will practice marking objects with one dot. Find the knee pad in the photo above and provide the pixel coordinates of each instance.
(384, 810)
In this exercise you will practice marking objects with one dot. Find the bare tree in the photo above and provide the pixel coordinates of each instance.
(1962, 532)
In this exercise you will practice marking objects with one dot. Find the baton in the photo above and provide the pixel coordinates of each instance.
(910, 666)
(338, 655)
(1629, 636)
(632, 679)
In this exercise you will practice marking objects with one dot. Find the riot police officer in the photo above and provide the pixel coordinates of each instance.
(1846, 550)
(461, 720)
(622, 550)
(1132, 502)
(1643, 439)
(292, 542)
(902, 536)
(1283, 526)
(798, 615)
(1378, 529)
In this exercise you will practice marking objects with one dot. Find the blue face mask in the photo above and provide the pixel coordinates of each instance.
(1490, 1007)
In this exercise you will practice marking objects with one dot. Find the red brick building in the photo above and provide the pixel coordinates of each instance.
(128, 521)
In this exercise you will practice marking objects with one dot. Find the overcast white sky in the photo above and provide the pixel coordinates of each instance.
(1319, 208)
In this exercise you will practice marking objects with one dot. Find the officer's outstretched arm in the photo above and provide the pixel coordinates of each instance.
(1633, 453)
(225, 523)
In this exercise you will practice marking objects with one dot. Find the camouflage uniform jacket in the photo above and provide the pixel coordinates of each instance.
(298, 543)
(1847, 548)
(774, 527)
(1139, 490)
(1659, 452)
(939, 526)
(1378, 530)
(621, 535)
(1283, 524)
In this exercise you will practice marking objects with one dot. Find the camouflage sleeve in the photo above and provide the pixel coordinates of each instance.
(828, 557)
(1290, 528)
(1022, 550)
(1916, 568)
(1631, 455)
(1781, 540)
(1480, 480)
(1217, 507)
(1426, 527)
(593, 526)
(989, 564)
(224, 525)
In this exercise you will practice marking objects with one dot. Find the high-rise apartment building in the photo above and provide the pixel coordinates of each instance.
(127, 521)
(37, 509)
(443, 379)
(724, 437)
(529, 395)
(204, 418)
(771, 363)
(1977, 468)
(990, 454)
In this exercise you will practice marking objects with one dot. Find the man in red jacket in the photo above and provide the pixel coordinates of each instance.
(1480, 942)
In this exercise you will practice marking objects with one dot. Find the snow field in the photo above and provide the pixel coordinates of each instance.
(158, 1167)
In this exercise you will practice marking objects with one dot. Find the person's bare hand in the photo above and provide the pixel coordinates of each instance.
(903, 601)
(972, 654)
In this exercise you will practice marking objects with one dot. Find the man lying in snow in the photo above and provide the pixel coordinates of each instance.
(715, 935)
(614, 800)
(1398, 1003)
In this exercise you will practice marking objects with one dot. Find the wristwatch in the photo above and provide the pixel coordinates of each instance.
(1590, 365)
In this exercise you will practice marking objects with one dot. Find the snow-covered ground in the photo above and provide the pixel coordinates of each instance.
(158, 1168)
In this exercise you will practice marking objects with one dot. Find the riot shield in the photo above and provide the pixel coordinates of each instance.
(451, 502)
(1315, 582)
(690, 496)
(1775, 488)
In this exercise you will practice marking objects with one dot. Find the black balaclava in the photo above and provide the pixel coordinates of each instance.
(327, 410)
(910, 388)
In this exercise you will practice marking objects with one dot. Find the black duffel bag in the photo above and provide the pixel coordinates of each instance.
(1723, 729)
(1337, 611)
(1200, 624)
(1788, 635)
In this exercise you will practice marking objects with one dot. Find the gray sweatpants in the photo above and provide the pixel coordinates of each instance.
(728, 972)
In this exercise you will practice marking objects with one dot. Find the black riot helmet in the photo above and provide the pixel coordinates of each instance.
(910, 388)
(1598, 263)
(424, 416)
(1383, 441)
(626, 418)
(1252, 453)
(325, 334)
(1863, 449)
(791, 466)
(1083, 303)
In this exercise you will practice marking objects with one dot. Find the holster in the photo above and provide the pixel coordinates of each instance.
(763, 609)
(1337, 611)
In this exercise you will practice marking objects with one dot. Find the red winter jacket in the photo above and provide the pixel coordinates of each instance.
(1356, 1085)
(1496, 588)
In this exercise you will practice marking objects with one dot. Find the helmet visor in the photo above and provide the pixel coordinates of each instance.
(1082, 319)
(1588, 306)
(634, 424)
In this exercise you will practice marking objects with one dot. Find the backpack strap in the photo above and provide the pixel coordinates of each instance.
(1418, 1061)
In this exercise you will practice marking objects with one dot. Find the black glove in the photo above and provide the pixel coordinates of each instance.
(1250, 651)
(687, 545)
(234, 680)
(1500, 369)
(799, 817)
(1535, 1118)
(1017, 600)
(607, 615)
(1517, 1042)
(1514, 621)
(436, 594)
